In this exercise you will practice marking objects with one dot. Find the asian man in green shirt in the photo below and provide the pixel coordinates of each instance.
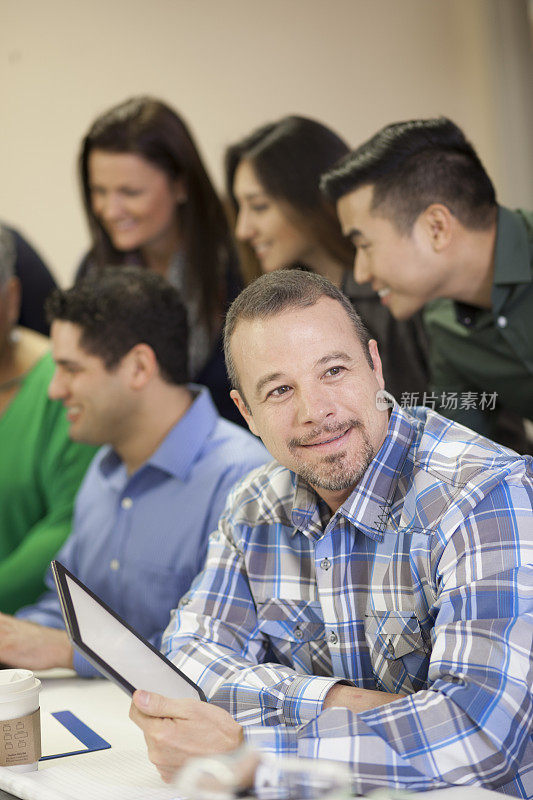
(422, 212)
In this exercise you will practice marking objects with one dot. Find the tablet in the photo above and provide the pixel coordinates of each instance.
(112, 646)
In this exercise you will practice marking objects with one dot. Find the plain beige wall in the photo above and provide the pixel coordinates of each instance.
(230, 65)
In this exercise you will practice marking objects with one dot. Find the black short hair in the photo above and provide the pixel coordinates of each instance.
(119, 307)
(411, 165)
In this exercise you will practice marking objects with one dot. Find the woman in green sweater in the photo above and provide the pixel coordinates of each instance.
(40, 468)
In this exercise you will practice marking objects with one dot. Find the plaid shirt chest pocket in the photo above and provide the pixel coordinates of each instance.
(398, 650)
(296, 634)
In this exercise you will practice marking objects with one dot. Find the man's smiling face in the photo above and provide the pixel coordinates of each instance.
(98, 400)
(311, 394)
(402, 268)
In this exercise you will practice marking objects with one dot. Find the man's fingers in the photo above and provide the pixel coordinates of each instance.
(155, 705)
(167, 774)
(176, 730)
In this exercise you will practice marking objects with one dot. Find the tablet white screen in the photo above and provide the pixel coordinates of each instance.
(122, 650)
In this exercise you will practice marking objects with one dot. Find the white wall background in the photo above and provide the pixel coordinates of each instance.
(230, 65)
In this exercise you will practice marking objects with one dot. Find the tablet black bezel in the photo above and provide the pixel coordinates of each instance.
(60, 572)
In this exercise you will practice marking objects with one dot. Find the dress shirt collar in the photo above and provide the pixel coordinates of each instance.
(369, 504)
(179, 450)
(305, 514)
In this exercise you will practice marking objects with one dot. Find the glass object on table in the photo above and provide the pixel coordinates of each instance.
(226, 778)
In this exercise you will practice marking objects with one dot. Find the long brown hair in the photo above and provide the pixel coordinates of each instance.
(288, 158)
(147, 127)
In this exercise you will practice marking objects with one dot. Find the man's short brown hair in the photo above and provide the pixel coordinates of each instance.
(279, 290)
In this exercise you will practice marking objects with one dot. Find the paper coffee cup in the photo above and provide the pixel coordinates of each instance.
(20, 723)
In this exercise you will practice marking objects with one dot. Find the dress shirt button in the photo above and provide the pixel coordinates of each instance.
(501, 322)
(114, 564)
(325, 564)
(333, 638)
(298, 633)
(127, 502)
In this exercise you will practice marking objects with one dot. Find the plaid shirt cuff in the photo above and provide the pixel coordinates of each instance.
(305, 697)
(278, 740)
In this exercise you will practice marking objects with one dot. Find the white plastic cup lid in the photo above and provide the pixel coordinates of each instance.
(13, 681)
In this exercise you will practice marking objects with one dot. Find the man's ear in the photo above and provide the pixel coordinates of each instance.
(376, 361)
(437, 224)
(142, 365)
(245, 411)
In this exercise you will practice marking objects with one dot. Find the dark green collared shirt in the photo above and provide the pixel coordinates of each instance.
(479, 356)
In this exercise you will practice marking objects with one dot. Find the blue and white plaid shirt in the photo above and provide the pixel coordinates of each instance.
(420, 584)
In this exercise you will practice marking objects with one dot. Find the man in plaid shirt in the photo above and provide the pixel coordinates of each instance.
(367, 597)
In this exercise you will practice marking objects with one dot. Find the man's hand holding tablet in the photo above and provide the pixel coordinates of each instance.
(176, 730)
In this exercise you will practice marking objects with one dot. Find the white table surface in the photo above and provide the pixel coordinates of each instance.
(104, 707)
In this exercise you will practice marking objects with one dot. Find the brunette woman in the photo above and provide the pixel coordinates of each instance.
(282, 220)
(149, 201)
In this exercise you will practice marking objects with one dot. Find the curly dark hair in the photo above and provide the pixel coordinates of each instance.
(119, 308)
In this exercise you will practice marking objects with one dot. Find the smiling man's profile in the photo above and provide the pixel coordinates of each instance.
(421, 211)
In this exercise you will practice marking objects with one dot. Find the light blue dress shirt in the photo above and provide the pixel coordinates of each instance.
(139, 540)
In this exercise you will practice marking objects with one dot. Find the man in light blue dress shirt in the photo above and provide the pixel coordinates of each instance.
(155, 491)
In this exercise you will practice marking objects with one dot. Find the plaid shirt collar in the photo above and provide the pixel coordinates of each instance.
(368, 505)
